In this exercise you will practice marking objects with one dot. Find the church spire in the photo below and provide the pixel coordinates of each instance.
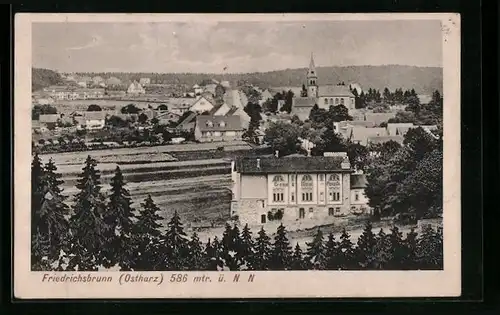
(312, 67)
(312, 79)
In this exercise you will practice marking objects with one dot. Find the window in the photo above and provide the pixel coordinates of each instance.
(326, 101)
(311, 210)
(278, 197)
(217, 134)
(307, 196)
(292, 196)
(306, 178)
(292, 178)
(278, 178)
(331, 101)
(262, 203)
(342, 101)
(263, 218)
(337, 210)
(321, 196)
(333, 177)
(209, 124)
(356, 196)
(336, 101)
(330, 211)
(321, 177)
(302, 213)
(222, 124)
(333, 196)
(208, 134)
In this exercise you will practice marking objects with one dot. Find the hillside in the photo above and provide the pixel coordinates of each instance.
(41, 78)
(423, 79)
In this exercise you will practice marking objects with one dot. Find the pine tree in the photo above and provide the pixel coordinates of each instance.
(382, 251)
(262, 251)
(55, 212)
(298, 262)
(230, 243)
(346, 251)
(410, 247)
(281, 256)
(119, 220)
(332, 253)
(175, 245)
(88, 229)
(430, 249)
(315, 253)
(196, 259)
(213, 253)
(397, 251)
(146, 237)
(37, 189)
(366, 246)
(40, 252)
(245, 251)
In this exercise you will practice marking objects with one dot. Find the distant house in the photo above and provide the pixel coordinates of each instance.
(179, 105)
(44, 101)
(383, 139)
(135, 88)
(188, 123)
(166, 118)
(220, 110)
(48, 119)
(145, 81)
(202, 104)
(360, 135)
(239, 112)
(399, 129)
(84, 94)
(113, 81)
(197, 89)
(359, 201)
(375, 118)
(91, 120)
(225, 84)
(218, 128)
(84, 81)
(97, 80)
(265, 95)
(210, 88)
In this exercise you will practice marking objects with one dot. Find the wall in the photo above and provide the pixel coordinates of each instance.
(336, 100)
(233, 136)
(363, 200)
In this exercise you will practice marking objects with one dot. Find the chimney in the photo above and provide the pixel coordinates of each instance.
(258, 163)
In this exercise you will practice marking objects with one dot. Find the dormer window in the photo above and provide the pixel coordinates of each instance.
(222, 124)
(210, 124)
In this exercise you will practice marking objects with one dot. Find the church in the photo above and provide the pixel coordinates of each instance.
(322, 95)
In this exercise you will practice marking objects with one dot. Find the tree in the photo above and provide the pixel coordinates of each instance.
(54, 212)
(230, 243)
(119, 219)
(358, 155)
(397, 252)
(303, 92)
(331, 253)
(315, 254)
(329, 142)
(146, 236)
(196, 258)
(409, 251)
(245, 251)
(88, 229)
(382, 251)
(213, 252)
(430, 249)
(366, 246)
(116, 121)
(94, 108)
(175, 245)
(287, 107)
(143, 118)
(130, 109)
(283, 137)
(38, 110)
(281, 256)
(420, 142)
(338, 113)
(298, 262)
(262, 251)
(345, 251)
(387, 95)
(154, 121)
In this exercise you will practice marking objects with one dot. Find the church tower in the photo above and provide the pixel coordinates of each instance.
(312, 79)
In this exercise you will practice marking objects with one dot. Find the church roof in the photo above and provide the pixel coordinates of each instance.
(312, 68)
(304, 101)
(334, 90)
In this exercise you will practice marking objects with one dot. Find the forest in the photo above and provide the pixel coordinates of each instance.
(103, 231)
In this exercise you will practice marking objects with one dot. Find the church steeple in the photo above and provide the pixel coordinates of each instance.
(312, 79)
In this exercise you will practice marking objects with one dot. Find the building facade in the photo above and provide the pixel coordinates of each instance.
(291, 189)
(209, 128)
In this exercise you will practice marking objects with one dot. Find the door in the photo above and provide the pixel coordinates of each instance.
(302, 213)
(263, 218)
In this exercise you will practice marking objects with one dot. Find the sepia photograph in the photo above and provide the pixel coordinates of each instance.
(236, 144)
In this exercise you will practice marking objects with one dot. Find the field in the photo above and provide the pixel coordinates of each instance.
(192, 179)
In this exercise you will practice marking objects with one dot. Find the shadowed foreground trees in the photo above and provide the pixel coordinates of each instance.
(105, 231)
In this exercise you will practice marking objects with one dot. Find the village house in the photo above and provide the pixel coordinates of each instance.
(220, 110)
(87, 93)
(294, 188)
(135, 88)
(197, 89)
(322, 95)
(240, 112)
(84, 81)
(98, 81)
(113, 81)
(202, 104)
(210, 128)
(91, 120)
(211, 88)
(165, 118)
(46, 120)
(144, 81)
(179, 105)
(187, 123)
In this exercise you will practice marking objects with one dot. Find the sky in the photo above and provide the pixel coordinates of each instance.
(209, 47)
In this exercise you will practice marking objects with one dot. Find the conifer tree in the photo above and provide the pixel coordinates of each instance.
(55, 212)
(175, 244)
(382, 251)
(397, 251)
(262, 251)
(366, 246)
(37, 188)
(40, 252)
(346, 251)
(246, 252)
(213, 252)
(281, 256)
(146, 237)
(410, 248)
(430, 249)
(119, 217)
(230, 243)
(196, 258)
(88, 229)
(298, 262)
(315, 253)
(332, 253)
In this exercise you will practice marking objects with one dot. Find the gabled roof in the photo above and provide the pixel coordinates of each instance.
(383, 139)
(291, 164)
(362, 134)
(334, 90)
(304, 101)
(358, 181)
(398, 129)
(231, 123)
(378, 118)
(233, 110)
(187, 120)
(94, 115)
(49, 118)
